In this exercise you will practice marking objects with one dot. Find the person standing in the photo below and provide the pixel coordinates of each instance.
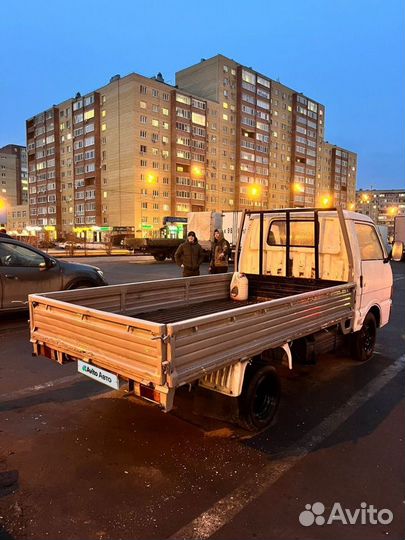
(220, 253)
(3, 233)
(189, 255)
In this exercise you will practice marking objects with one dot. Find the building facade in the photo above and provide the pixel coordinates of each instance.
(17, 220)
(275, 133)
(13, 178)
(337, 181)
(381, 205)
(137, 152)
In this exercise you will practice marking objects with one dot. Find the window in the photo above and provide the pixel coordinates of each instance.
(369, 244)
(88, 141)
(198, 104)
(89, 114)
(301, 233)
(248, 77)
(89, 100)
(264, 82)
(12, 255)
(183, 99)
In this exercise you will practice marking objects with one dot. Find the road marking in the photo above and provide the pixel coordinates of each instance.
(399, 277)
(38, 387)
(224, 510)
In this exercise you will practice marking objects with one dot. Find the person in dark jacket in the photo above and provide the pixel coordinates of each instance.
(3, 233)
(220, 253)
(189, 256)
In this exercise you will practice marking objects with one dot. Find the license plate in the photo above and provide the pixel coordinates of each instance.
(98, 374)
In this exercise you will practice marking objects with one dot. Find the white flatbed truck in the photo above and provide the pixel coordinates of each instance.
(313, 275)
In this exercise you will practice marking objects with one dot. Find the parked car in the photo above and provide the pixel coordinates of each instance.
(69, 244)
(25, 270)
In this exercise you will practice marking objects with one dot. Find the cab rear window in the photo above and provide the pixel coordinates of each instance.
(301, 233)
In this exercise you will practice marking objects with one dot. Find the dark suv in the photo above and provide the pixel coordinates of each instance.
(25, 270)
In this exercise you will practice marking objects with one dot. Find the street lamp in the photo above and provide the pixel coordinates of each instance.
(197, 171)
(393, 211)
(326, 201)
(254, 192)
(365, 198)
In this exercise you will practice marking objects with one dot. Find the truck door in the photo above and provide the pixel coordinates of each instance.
(376, 275)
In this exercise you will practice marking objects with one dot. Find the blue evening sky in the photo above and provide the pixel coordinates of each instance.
(346, 54)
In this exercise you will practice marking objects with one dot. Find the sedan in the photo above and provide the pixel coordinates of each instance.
(25, 270)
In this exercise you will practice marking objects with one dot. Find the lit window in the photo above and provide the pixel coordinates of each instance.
(103, 126)
(89, 114)
(198, 119)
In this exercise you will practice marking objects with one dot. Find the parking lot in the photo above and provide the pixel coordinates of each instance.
(78, 460)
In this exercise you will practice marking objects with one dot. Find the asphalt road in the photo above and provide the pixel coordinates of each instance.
(79, 461)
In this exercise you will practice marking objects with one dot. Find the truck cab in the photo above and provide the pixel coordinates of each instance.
(314, 244)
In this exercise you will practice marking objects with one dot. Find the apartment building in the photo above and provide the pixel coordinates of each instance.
(381, 205)
(138, 152)
(189, 146)
(17, 220)
(13, 175)
(276, 133)
(336, 177)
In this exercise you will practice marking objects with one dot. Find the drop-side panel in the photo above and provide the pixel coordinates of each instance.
(133, 298)
(129, 347)
(202, 345)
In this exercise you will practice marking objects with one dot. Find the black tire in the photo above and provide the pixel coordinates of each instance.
(259, 399)
(364, 340)
(160, 257)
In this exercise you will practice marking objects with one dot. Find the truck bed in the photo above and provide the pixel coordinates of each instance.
(171, 332)
(260, 290)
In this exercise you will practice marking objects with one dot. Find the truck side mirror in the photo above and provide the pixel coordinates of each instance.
(397, 251)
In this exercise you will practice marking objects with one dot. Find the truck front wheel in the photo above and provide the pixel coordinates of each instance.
(259, 399)
(364, 339)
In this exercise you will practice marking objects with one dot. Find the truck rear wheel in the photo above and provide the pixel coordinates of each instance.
(259, 399)
(159, 257)
(364, 340)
